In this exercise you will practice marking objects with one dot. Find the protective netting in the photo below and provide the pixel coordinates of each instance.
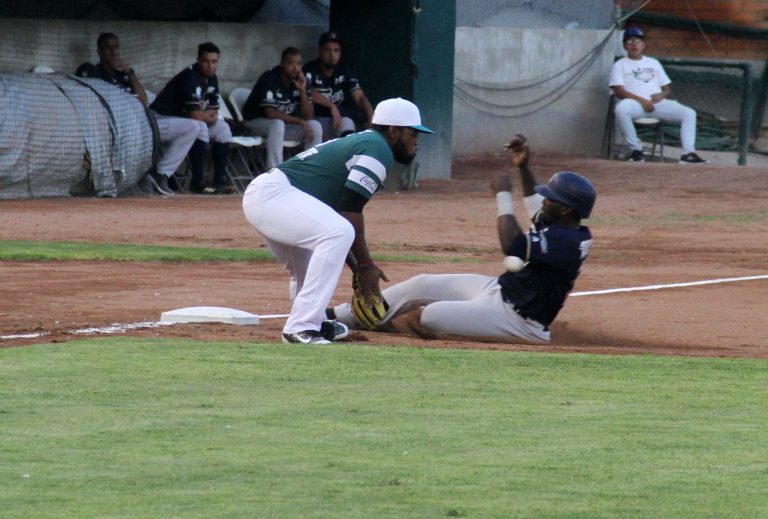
(68, 136)
(59, 48)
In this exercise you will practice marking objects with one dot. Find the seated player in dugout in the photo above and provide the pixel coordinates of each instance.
(187, 115)
(340, 103)
(279, 107)
(112, 68)
(519, 305)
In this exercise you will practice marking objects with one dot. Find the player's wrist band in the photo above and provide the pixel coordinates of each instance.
(504, 203)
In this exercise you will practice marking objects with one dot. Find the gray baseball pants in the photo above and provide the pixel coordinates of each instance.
(178, 134)
(468, 305)
(276, 131)
(329, 132)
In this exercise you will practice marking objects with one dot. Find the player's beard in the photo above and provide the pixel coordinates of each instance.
(400, 152)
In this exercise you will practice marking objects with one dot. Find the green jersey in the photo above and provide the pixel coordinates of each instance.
(358, 162)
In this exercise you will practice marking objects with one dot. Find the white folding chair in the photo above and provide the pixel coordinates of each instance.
(237, 99)
(241, 174)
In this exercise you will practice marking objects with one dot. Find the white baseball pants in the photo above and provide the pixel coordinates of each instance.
(307, 236)
(468, 305)
(178, 134)
(276, 131)
(667, 110)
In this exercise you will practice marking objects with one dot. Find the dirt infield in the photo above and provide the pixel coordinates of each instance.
(653, 224)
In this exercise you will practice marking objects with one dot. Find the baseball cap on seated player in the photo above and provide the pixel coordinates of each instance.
(633, 32)
(399, 112)
(328, 36)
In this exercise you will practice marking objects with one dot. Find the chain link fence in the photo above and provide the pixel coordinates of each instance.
(721, 94)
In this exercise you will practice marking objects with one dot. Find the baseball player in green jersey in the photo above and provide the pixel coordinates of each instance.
(309, 210)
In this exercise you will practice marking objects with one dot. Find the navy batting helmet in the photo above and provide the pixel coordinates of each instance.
(571, 189)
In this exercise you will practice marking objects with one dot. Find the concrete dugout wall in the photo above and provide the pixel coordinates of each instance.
(495, 93)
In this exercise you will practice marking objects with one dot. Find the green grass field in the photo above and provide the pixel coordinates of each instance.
(30, 250)
(122, 427)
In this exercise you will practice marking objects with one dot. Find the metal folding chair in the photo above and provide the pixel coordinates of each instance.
(614, 150)
(246, 166)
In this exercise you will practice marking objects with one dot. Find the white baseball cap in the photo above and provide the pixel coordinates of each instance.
(399, 112)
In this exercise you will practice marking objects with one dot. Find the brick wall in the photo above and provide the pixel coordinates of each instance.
(752, 13)
(690, 43)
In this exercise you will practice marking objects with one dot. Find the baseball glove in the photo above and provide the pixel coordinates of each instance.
(369, 315)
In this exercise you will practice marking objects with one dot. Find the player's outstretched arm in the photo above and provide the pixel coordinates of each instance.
(506, 222)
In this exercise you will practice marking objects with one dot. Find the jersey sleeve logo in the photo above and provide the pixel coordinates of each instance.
(363, 180)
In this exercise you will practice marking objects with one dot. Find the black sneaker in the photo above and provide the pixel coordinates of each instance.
(636, 156)
(305, 337)
(160, 183)
(692, 158)
(334, 330)
(145, 185)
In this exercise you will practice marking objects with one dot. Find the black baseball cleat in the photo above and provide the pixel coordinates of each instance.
(692, 158)
(333, 330)
(305, 337)
(636, 156)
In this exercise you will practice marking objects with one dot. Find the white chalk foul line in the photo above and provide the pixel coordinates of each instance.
(669, 285)
(119, 328)
(113, 328)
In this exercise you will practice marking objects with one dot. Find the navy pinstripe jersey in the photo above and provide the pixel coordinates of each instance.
(189, 90)
(269, 91)
(539, 290)
(119, 78)
(336, 88)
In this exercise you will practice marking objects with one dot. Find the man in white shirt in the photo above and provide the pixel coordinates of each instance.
(642, 87)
